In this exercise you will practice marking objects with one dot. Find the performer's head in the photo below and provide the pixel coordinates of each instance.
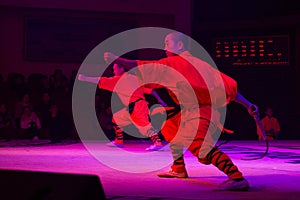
(175, 43)
(118, 69)
(269, 111)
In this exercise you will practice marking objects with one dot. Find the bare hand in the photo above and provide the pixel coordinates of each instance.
(161, 110)
(109, 57)
(81, 77)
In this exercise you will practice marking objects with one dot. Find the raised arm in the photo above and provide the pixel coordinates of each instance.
(128, 64)
(90, 79)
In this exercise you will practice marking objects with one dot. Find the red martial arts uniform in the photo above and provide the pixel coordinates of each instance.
(271, 127)
(140, 114)
(199, 118)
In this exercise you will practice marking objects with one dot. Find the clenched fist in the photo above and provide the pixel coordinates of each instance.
(109, 57)
(81, 77)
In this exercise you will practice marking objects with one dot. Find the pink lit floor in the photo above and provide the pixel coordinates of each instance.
(276, 176)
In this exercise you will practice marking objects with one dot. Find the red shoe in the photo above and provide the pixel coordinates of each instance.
(155, 147)
(234, 185)
(115, 143)
(173, 174)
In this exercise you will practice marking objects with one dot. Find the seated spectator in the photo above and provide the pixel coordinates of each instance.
(30, 124)
(6, 94)
(19, 107)
(38, 83)
(58, 82)
(58, 124)
(270, 124)
(44, 81)
(7, 124)
(17, 84)
(71, 81)
(42, 110)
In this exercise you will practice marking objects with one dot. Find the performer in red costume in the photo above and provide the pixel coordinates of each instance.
(135, 109)
(198, 120)
(270, 124)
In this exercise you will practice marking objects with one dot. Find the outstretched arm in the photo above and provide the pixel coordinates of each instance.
(128, 64)
(90, 79)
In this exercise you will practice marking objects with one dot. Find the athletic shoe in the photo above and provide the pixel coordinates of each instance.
(115, 144)
(173, 174)
(155, 147)
(234, 185)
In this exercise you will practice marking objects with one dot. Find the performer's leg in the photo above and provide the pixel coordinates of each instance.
(119, 134)
(177, 170)
(140, 117)
(216, 157)
(157, 143)
(223, 163)
(119, 120)
(213, 155)
(236, 181)
(169, 131)
(119, 140)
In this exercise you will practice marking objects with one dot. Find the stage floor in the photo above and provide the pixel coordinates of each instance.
(130, 173)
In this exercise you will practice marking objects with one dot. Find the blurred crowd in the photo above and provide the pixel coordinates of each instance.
(40, 107)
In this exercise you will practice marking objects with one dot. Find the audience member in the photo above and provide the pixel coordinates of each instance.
(4, 90)
(58, 82)
(7, 124)
(58, 124)
(270, 124)
(42, 108)
(19, 107)
(44, 81)
(38, 83)
(71, 81)
(30, 124)
(17, 84)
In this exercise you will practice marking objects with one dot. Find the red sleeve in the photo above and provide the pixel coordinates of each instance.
(277, 126)
(153, 71)
(230, 86)
(108, 83)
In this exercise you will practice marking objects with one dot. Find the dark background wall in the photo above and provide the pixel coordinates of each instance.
(266, 85)
(66, 25)
(62, 26)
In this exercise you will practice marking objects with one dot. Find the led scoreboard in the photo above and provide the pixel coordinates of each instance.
(252, 51)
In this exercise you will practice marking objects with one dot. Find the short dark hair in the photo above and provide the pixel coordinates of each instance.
(125, 69)
(181, 37)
